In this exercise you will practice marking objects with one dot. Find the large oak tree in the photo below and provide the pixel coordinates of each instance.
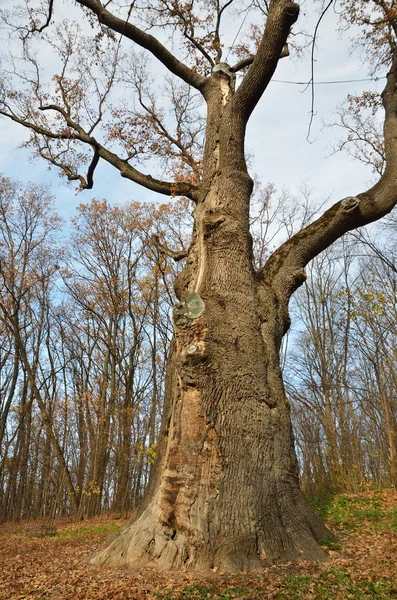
(224, 491)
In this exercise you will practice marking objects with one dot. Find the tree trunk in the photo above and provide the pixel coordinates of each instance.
(224, 492)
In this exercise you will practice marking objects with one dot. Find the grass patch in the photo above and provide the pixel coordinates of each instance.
(335, 583)
(355, 512)
(323, 585)
(87, 530)
(330, 544)
(42, 531)
(201, 592)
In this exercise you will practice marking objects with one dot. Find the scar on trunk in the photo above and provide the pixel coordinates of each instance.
(185, 313)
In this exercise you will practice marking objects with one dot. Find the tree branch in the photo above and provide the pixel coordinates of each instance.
(386, 10)
(164, 131)
(146, 41)
(243, 63)
(177, 255)
(126, 170)
(199, 47)
(282, 15)
(217, 38)
(91, 170)
(49, 17)
(246, 62)
(285, 268)
(71, 174)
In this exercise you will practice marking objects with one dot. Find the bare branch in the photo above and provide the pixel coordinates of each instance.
(146, 41)
(198, 46)
(91, 169)
(282, 15)
(364, 140)
(68, 169)
(217, 28)
(243, 63)
(154, 116)
(311, 82)
(49, 17)
(77, 133)
(246, 62)
(177, 255)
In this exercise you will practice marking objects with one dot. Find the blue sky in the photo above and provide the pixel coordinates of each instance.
(276, 134)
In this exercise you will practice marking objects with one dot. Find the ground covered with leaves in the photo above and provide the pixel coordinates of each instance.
(42, 562)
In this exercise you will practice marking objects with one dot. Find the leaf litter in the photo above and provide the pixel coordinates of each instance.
(41, 563)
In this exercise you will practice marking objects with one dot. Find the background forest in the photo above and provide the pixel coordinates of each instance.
(84, 331)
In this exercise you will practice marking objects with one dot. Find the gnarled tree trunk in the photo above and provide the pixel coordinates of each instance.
(224, 492)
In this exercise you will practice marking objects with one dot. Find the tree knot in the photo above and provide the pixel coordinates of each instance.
(223, 68)
(184, 313)
(350, 203)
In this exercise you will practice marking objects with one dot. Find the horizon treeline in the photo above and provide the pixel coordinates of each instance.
(85, 324)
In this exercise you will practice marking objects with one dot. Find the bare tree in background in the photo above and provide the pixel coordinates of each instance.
(224, 491)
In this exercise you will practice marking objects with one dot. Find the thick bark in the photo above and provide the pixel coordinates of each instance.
(224, 492)
(225, 489)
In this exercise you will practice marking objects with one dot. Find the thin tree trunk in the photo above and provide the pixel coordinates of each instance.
(10, 396)
(45, 417)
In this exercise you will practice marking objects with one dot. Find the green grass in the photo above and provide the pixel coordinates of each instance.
(356, 512)
(87, 530)
(65, 534)
(324, 585)
(335, 583)
(330, 544)
(346, 513)
(202, 592)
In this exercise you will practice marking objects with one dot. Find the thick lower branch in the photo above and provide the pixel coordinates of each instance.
(285, 268)
(348, 214)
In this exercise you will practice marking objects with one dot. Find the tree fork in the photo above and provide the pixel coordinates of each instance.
(225, 490)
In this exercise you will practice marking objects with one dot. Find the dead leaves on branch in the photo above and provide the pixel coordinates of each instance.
(361, 121)
(377, 21)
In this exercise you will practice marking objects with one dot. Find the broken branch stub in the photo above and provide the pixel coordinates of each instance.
(350, 203)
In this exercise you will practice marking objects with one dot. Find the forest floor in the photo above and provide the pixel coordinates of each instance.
(43, 564)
